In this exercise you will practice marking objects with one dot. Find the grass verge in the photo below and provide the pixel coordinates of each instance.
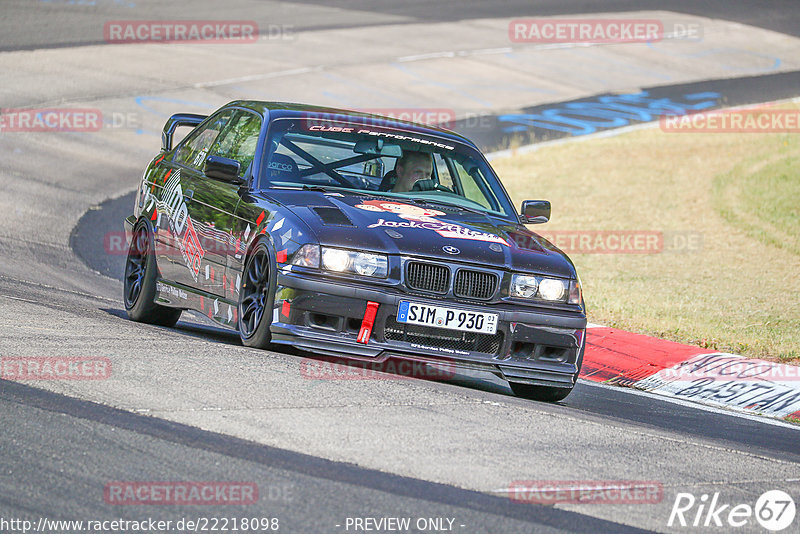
(727, 206)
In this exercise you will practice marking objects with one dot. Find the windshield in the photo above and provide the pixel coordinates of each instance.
(368, 159)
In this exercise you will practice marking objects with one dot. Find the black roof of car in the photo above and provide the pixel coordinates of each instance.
(289, 109)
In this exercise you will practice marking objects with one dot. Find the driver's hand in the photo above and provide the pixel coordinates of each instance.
(424, 185)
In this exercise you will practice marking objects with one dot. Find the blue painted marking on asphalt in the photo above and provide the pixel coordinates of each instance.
(698, 96)
(586, 117)
(239, 90)
(335, 97)
(141, 99)
(776, 61)
(513, 87)
(620, 65)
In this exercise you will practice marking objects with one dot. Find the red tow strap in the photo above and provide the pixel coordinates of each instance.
(367, 322)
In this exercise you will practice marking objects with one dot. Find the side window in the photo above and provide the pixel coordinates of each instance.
(195, 148)
(443, 172)
(473, 189)
(238, 139)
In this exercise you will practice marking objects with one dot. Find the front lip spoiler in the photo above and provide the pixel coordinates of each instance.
(336, 345)
(536, 377)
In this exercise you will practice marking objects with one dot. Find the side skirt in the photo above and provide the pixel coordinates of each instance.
(218, 309)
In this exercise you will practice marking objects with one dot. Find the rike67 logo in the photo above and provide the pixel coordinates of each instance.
(774, 511)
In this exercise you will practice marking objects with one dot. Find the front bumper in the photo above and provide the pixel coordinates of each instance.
(325, 317)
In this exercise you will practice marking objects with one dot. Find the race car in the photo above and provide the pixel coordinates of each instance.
(352, 235)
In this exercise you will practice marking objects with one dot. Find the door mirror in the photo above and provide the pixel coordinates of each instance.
(224, 169)
(535, 211)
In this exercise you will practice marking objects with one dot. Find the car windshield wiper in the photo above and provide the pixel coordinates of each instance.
(340, 190)
(317, 188)
(423, 201)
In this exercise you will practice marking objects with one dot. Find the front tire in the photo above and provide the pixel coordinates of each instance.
(547, 393)
(139, 284)
(256, 298)
(539, 393)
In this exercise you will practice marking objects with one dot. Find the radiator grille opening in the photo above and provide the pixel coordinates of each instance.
(427, 277)
(474, 284)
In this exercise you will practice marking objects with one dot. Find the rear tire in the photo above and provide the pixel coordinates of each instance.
(256, 298)
(139, 283)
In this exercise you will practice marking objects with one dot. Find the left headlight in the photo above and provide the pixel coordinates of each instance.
(528, 286)
(354, 262)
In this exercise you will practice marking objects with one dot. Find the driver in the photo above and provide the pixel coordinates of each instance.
(411, 168)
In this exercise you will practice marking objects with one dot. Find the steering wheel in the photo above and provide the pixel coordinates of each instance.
(429, 185)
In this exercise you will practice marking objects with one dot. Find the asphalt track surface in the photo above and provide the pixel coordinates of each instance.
(191, 404)
(57, 23)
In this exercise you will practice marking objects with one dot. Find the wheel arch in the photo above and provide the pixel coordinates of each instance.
(266, 239)
(146, 221)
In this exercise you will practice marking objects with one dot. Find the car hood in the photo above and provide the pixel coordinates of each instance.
(429, 230)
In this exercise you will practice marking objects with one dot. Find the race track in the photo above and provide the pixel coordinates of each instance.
(192, 404)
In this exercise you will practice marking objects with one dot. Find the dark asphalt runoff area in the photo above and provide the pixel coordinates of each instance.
(28, 25)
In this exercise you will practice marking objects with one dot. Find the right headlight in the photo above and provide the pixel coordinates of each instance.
(527, 286)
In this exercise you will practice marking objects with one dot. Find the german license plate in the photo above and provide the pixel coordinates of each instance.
(450, 318)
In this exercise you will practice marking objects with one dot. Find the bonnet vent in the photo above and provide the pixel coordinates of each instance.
(332, 216)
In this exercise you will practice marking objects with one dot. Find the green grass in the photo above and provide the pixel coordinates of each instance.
(765, 203)
(738, 193)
